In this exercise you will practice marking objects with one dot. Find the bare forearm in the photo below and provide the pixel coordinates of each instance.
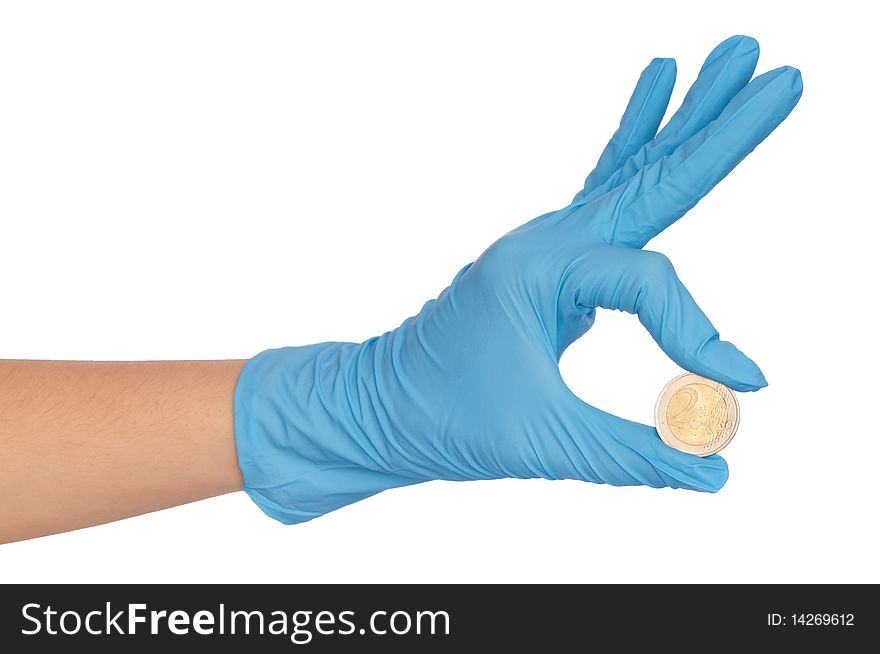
(83, 443)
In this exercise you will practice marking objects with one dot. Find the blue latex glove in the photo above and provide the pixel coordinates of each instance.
(470, 387)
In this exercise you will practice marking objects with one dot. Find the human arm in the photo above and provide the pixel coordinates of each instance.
(87, 442)
(469, 388)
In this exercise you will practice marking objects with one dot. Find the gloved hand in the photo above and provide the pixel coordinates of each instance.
(470, 387)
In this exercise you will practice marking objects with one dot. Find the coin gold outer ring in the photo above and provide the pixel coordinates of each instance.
(712, 446)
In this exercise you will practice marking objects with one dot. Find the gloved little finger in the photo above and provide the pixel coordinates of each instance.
(639, 123)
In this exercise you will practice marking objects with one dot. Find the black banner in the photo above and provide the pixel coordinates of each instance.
(287, 618)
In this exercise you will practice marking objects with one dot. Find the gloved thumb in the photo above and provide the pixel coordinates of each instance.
(613, 450)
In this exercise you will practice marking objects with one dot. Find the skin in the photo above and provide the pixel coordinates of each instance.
(88, 442)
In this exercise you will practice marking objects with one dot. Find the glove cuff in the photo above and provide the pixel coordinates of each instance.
(300, 449)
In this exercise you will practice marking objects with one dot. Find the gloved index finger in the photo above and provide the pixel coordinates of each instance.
(645, 283)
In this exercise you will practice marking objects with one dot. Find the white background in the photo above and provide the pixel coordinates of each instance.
(209, 179)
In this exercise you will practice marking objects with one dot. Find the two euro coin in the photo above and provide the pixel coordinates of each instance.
(696, 415)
